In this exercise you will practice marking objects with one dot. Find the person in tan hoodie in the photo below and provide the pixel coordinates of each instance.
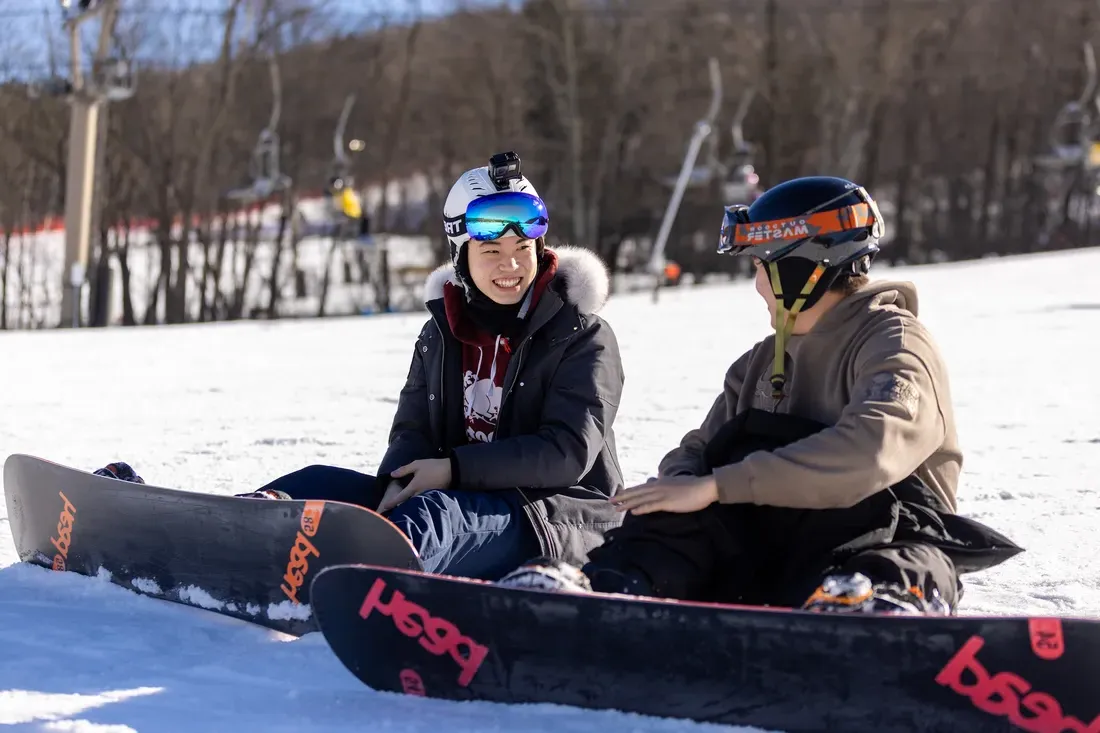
(825, 474)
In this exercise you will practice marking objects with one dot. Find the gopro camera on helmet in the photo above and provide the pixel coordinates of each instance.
(504, 167)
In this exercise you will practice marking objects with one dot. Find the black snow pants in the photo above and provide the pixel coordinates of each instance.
(763, 555)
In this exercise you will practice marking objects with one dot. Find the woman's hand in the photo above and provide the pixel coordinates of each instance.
(427, 474)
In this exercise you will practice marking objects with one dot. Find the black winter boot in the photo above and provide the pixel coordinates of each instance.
(121, 471)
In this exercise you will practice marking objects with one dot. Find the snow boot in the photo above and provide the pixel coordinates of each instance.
(265, 494)
(121, 471)
(857, 594)
(544, 573)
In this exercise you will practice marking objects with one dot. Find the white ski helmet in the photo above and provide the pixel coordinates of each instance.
(475, 183)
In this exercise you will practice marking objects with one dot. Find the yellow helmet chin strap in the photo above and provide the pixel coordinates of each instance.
(784, 322)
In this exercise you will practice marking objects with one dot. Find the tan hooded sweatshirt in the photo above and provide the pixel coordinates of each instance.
(870, 370)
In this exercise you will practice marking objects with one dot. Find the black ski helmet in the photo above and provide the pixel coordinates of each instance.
(805, 223)
(808, 232)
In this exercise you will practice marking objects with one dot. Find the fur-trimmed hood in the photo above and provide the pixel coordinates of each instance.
(587, 283)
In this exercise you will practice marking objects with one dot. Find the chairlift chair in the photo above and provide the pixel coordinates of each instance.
(742, 185)
(694, 175)
(114, 78)
(1074, 135)
(264, 168)
(345, 207)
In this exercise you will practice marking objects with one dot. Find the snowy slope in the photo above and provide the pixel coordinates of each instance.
(224, 408)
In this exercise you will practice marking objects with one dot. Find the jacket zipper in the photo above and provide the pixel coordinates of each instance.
(442, 379)
(519, 365)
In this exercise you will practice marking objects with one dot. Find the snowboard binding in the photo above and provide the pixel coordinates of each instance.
(546, 573)
(857, 594)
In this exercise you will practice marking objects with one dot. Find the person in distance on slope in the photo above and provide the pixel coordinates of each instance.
(502, 446)
(824, 476)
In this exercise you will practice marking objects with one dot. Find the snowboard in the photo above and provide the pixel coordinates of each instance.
(776, 669)
(252, 559)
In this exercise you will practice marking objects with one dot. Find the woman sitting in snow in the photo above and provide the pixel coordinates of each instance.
(502, 447)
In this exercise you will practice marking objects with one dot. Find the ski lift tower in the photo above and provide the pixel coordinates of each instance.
(112, 79)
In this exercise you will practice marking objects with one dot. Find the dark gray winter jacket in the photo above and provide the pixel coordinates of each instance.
(554, 442)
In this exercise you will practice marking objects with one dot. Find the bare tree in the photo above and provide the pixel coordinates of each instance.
(942, 109)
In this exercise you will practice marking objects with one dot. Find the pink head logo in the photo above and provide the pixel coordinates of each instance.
(437, 635)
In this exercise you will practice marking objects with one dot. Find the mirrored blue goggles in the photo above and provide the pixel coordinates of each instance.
(493, 216)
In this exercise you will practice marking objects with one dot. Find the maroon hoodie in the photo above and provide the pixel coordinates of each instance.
(485, 356)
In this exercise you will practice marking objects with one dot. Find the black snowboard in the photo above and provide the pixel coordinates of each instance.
(777, 669)
(252, 559)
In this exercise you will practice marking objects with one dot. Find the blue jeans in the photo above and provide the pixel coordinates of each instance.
(470, 534)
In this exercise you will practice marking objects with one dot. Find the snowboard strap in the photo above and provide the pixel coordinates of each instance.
(784, 322)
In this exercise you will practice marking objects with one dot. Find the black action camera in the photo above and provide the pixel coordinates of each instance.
(504, 167)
